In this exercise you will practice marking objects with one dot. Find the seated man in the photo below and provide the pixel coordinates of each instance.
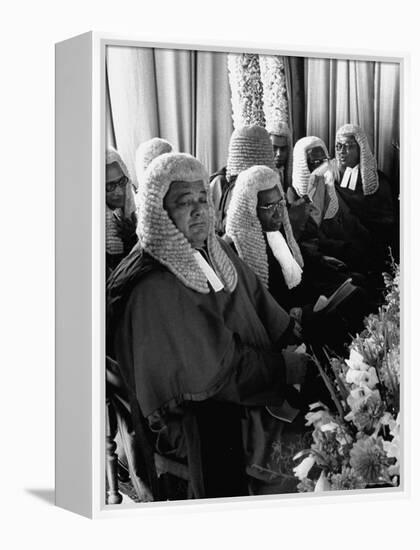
(310, 164)
(281, 138)
(248, 146)
(363, 228)
(190, 322)
(120, 211)
(258, 225)
(319, 229)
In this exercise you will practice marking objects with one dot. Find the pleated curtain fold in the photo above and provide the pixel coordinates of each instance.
(179, 95)
(185, 97)
(357, 92)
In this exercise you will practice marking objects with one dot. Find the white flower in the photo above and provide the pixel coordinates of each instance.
(329, 427)
(373, 346)
(302, 470)
(343, 438)
(392, 448)
(313, 406)
(395, 427)
(358, 395)
(322, 484)
(273, 79)
(246, 89)
(301, 349)
(388, 420)
(367, 378)
(356, 399)
(318, 418)
(355, 361)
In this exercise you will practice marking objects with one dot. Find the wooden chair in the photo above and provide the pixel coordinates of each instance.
(113, 495)
(215, 462)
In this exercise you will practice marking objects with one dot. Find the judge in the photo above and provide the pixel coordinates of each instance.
(365, 218)
(258, 226)
(190, 322)
(248, 146)
(119, 210)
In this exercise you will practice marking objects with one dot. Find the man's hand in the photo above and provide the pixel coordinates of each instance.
(298, 214)
(126, 227)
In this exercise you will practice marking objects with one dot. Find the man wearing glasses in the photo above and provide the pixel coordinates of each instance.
(190, 325)
(366, 212)
(120, 210)
(258, 224)
(258, 227)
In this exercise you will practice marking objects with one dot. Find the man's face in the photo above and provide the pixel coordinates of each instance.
(116, 184)
(315, 157)
(347, 151)
(187, 206)
(269, 209)
(280, 150)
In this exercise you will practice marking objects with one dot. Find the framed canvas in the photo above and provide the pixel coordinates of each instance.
(118, 424)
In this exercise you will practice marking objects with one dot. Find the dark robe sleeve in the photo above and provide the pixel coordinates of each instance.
(362, 229)
(382, 216)
(275, 319)
(345, 238)
(181, 351)
(298, 210)
(380, 209)
(257, 378)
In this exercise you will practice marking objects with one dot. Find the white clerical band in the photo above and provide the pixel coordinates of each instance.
(292, 272)
(209, 272)
(350, 178)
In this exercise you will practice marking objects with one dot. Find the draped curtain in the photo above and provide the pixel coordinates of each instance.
(214, 124)
(182, 96)
(295, 84)
(358, 92)
(185, 97)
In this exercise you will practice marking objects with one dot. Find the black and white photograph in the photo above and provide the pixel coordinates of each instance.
(252, 237)
(210, 275)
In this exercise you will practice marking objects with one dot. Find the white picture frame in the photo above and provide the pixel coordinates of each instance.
(80, 276)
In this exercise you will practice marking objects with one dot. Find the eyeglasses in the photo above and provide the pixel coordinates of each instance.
(316, 162)
(271, 208)
(345, 147)
(112, 185)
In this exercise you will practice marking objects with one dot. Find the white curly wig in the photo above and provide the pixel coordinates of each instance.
(112, 155)
(301, 173)
(149, 150)
(249, 146)
(304, 181)
(243, 225)
(368, 166)
(159, 236)
(146, 152)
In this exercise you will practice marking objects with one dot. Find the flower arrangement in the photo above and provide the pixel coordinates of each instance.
(358, 445)
(247, 90)
(273, 80)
